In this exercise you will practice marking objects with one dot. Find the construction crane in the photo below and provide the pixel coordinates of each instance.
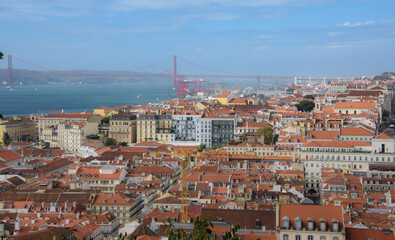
(186, 156)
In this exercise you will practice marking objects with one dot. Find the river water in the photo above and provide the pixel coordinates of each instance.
(32, 99)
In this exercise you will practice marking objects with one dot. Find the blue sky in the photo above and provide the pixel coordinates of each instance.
(268, 37)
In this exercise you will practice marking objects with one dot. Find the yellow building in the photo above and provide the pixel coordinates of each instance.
(123, 127)
(104, 111)
(304, 125)
(153, 127)
(18, 129)
(224, 98)
(355, 107)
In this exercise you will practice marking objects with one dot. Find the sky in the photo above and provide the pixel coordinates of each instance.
(267, 37)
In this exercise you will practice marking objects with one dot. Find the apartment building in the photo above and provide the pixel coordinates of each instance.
(216, 128)
(185, 125)
(17, 129)
(123, 127)
(48, 125)
(71, 135)
(155, 127)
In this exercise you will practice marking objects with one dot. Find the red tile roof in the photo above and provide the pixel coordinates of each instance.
(358, 105)
(359, 131)
(383, 136)
(9, 156)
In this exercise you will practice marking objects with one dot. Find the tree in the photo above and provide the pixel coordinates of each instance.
(105, 120)
(110, 141)
(1, 55)
(275, 138)
(123, 144)
(290, 90)
(267, 133)
(201, 147)
(309, 97)
(305, 105)
(201, 231)
(1, 116)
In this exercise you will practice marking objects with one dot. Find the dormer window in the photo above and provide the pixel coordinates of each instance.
(335, 225)
(257, 223)
(298, 223)
(310, 225)
(285, 222)
(322, 225)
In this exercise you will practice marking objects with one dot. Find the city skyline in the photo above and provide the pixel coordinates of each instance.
(288, 37)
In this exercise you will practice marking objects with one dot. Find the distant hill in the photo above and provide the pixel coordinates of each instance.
(384, 76)
(28, 77)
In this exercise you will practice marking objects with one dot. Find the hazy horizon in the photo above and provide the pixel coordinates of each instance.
(267, 37)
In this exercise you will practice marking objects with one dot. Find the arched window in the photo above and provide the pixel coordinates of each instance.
(298, 223)
(310, 237)
(335, 238)
(322, 225)
(285, 222)
(298, 237)
(322, 238)
(310, 225)
(335, 225)
(257, 223)
(285, 237)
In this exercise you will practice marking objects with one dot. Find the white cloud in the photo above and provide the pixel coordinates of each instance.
(265, 36)
(333, 34)
(260, 48)
(357, 24)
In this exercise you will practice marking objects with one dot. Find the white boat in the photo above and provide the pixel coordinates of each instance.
(139, 96)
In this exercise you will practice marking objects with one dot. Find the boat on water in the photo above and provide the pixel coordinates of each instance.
(11, 89)
(139, 96)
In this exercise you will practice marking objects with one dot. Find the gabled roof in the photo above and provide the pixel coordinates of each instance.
(383, 136)
(359, 131)
(8, 156)
(223, 95)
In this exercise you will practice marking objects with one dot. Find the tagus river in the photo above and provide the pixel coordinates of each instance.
(32, 99)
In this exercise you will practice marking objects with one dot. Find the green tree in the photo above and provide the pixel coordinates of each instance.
(275, 138)
(123, 144)
(309, 97)
(305, 105)
(201, 231)
(290, 90)
(267, 133)
(110, 141)
(1, 116)
(1, 55)
(201, 147)
(105, 120)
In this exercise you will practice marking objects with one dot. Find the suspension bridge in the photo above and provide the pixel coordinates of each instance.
(183, 83)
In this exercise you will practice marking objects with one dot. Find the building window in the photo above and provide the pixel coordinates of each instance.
(335, 226)
(285, 222)
(322, 238)
(298, 237)
(298, 223)
(285, 237)
(323, 224)
(310, 225)
(310, 237)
